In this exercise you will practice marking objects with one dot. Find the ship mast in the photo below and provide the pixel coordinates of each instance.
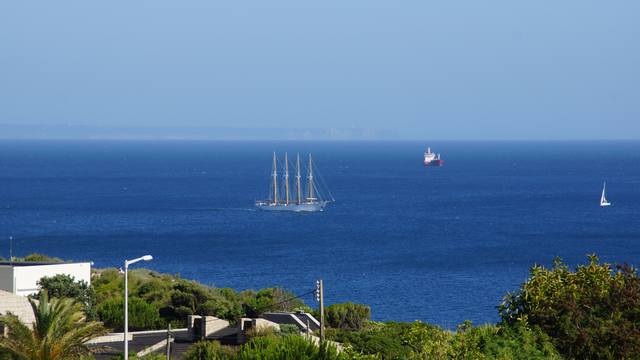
(275, 179)
(310, 179)
(286, 179)
(298, 190)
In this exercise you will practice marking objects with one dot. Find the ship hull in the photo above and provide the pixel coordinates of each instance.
(310, 207)
(434, 163)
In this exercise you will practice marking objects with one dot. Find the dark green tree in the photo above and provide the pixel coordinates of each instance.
(65, 286)
(348, 316)
(142, 315)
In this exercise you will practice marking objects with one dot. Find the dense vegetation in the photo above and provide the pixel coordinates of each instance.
(156, 300)
(592, 312)
(288, 347)
(423, 341)
(347, 316)
(60, 332)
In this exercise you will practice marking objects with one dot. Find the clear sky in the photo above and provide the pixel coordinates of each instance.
(419, 69)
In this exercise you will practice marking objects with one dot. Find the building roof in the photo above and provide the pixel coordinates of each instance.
(38, 263)
(17, 305)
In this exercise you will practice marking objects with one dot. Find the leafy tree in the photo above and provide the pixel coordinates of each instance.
(590, 313)
(221, 308)
(270, 299)
(59, 332)
(142, 315)
(348, 316)
(65, 286)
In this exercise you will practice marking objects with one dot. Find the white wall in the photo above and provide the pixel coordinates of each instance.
(26, 277)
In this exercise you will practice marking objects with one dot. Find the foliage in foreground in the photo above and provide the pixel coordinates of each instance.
(60, 332)
(590, 313)
(292, 347)
(424, 341)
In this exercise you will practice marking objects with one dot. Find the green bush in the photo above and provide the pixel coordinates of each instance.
(384, 339)
(478, 343)
(142, 316)
(65, 286)
(590, 313)
(208, 350)
(287, 348)
(289, 329)
(269, 299)
(348, 316)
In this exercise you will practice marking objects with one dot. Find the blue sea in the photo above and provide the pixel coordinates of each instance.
(440, 245)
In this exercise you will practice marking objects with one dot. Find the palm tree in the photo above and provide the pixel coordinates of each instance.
(59, 332)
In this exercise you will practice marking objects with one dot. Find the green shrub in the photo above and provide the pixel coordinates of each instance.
(269, 299)
(348, 316)
(287, 348)
(221, 308)
(289, 329)
(142, 316)
(590, 313)
(478, 343)
(384, 339)
(65, 286)
(208, 350)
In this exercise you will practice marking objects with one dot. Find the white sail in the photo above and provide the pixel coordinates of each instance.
(603, 198)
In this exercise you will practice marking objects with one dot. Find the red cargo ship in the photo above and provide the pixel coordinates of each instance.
(432, 159)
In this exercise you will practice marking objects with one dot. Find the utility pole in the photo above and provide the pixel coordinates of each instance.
(320, 299)
(169, 342)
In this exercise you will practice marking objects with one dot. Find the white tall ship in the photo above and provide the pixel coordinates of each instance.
(603, 198)
(281, 199)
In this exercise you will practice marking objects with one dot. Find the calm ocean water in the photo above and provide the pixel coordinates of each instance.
(436, 244)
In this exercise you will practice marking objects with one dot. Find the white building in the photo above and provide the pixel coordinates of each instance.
(21, 278)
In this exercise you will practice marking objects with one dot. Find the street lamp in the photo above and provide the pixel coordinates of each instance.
(126, 301)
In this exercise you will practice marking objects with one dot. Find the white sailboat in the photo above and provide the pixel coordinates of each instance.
(603, 199)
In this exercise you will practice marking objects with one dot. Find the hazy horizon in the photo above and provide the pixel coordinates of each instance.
(364, 69)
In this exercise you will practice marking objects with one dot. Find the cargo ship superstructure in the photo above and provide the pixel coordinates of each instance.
(432, 159)
(281, 199)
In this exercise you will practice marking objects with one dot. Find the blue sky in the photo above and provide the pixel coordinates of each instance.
(400, 69)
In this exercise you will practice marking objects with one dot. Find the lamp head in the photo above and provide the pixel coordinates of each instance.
(147, 258)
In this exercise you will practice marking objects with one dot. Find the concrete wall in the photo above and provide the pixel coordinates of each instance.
(213, 326)
(26, 277)
(17, 305)
(6, 278)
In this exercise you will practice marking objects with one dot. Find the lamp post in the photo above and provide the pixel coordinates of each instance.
(126, 300)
